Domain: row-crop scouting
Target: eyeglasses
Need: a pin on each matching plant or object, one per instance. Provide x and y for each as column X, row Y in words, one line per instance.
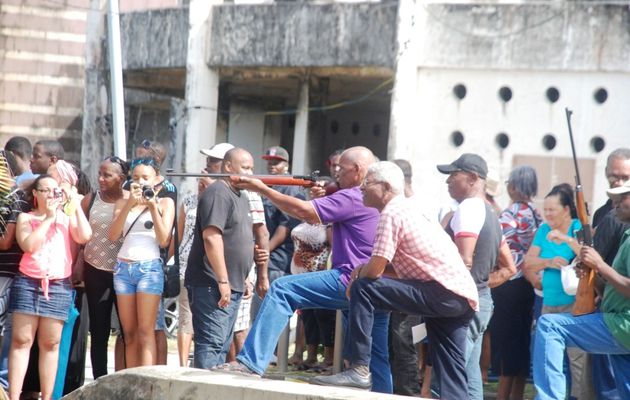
column 212, row 160
column 366, row 183
column 617, row 178
column 47, row 190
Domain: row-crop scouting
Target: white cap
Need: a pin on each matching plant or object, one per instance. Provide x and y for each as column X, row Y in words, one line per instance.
column 615, row 193
column 217, row 151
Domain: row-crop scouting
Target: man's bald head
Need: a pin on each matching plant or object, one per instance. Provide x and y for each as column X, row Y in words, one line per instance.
column 353, row 166
column 237, row 161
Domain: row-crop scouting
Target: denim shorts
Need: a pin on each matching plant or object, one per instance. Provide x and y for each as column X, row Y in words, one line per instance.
column 27, row 297
column 139, row 277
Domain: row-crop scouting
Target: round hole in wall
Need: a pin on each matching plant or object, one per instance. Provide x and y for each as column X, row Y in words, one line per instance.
column 502, row 140
column 549, row 141
column 552, row 94
column 459, row 91
column 600, row 95
column 505, row 93
column 334, row 126
column 457, row 138
column 598, row 143
column 376, row 130
column 355, row 128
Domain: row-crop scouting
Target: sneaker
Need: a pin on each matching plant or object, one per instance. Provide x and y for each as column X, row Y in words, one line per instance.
column 349, row 378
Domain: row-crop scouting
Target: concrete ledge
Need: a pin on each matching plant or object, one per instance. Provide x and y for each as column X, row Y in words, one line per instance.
column 170, row 382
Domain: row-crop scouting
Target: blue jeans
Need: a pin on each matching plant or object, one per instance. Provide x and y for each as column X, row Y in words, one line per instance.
column 213, row 325
column 474, row 339
column 321, row 289
column 556, row 332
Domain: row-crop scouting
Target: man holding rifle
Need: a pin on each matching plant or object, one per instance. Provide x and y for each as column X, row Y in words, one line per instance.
column 354, row 229
column 605, row 332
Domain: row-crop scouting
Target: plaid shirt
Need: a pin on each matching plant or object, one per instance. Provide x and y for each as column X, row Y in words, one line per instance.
column 420, row 249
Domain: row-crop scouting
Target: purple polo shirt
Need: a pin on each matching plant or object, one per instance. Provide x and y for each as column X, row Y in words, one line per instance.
column 353, row 225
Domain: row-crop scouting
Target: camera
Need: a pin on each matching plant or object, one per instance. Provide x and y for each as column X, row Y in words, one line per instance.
column 148, row 192
column 57, row 193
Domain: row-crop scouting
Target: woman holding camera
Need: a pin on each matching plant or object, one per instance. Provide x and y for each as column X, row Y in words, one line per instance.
column 144, row 221
column 41, row 294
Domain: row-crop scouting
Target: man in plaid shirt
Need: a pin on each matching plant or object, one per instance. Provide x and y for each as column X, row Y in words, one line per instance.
column 425, row 275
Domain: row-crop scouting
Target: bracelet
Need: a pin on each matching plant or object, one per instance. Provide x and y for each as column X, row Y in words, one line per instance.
column 223, row 282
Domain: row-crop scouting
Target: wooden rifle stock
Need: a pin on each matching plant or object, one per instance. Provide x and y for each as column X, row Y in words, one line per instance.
column 270, row 180
column 585, row 296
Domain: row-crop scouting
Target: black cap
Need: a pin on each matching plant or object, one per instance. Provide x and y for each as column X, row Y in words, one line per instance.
column 466, row 162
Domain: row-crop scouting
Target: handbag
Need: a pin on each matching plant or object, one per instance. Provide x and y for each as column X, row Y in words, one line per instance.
column 569, row 280
column 171, row 271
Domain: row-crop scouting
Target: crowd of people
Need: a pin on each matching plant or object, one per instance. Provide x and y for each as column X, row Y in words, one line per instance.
column 251, row 255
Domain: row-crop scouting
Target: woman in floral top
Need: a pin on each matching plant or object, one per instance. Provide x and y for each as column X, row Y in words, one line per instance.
column 513, row 301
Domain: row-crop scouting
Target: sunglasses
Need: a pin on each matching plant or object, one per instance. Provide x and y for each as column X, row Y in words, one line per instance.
column 146, row 144
column 124, row 166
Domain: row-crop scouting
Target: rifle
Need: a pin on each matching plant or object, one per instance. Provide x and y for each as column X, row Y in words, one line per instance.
column 306, row 181
column 585, row 296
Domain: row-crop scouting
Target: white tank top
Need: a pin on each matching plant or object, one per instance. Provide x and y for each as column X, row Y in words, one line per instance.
column 140, row 244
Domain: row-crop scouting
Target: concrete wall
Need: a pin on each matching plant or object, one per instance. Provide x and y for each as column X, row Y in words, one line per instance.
column 303, row 34
column 162, row 382
column 154, row 39
column 577, row 49
column 42, row 61
column 558, row 36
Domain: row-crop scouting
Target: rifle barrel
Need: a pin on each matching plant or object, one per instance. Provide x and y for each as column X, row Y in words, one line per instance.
column 578, row 182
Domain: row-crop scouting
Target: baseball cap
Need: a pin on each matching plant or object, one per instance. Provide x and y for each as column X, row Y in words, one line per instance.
column 217, row 151
column 466, row 162
column 276, row 153
column 616, row 193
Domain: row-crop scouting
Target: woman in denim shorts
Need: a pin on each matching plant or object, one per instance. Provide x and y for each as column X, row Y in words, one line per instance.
column 41, row 294
column 145, row 222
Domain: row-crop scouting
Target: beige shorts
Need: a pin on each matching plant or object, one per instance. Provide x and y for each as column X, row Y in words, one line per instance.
column 185, row 315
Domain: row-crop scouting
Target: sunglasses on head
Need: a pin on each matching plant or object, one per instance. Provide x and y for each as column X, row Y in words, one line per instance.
column 122, row 163
column 146, row 144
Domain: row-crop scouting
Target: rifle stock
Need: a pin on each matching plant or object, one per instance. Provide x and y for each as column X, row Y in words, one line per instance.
column 585, row 296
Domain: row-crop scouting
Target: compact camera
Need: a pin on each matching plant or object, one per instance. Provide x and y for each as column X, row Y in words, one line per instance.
column 148, row 192
column 57, row 193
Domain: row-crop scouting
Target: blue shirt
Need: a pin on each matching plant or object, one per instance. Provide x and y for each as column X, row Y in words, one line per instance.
column 553, row 293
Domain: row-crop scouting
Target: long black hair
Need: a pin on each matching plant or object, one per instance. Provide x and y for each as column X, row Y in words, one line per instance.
column 564, row 191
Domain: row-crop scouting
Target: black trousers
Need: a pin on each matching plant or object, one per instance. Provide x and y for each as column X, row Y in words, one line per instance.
column 403, row 355
column 99, row 288
column 446, row 315
column 319, row 326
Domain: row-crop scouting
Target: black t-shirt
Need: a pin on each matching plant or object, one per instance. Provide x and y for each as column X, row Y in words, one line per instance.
column 10, row 258
column 280, row 257
column 221, row 207
column 601, row 212
column 608, row 234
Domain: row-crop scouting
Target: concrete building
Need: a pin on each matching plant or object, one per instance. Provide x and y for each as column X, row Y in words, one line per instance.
column 425, row 81
column 42, row 63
